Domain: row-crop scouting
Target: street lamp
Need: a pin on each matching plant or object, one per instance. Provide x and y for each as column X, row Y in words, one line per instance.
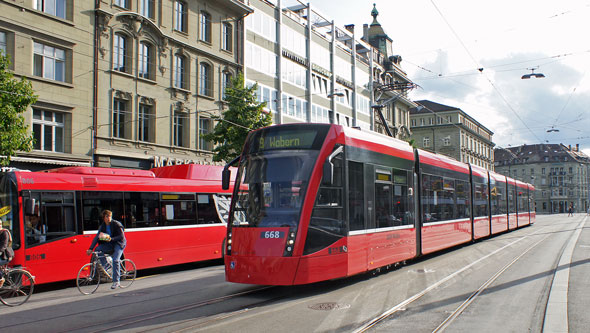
column 533, row 74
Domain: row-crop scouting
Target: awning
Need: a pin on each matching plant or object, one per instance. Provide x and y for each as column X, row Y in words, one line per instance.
column 48, row 161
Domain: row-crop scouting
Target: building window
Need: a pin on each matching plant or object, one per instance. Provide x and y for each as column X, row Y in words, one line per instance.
column 122, row 3
column 205, row 125
column 205, row 33
column 52, row 7
column 225, row 83
column 179, row 128
column 146, row 8
column 179, row 72
column 119, row 118
column 205, row 78
column 3, row 42
column 146, row 66
column 48, row 130
column 426, row 142
column 180, row 17
column 145, row 119
column 50, row 62
column 227, row 37
column 447, row 141
column 120, row 53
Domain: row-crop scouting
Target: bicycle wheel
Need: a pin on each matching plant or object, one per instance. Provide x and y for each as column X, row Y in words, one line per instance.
column 17, row 288
column 88, row 279
column 128, row 273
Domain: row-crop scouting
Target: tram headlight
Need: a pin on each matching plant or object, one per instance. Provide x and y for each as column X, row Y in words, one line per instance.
column 229, row 247
column 291, row 242
column 229, row 241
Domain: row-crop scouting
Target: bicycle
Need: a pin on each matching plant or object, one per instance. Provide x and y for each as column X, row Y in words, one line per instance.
column 93, row 273
column 18, row 286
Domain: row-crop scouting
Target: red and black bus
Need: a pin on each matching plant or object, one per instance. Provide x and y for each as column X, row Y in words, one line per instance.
column 172, row 215
column 316, row 202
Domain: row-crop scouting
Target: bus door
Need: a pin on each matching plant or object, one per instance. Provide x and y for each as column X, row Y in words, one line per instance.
column 51, row 235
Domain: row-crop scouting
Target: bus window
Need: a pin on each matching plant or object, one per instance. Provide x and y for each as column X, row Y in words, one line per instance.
column 53, row 217
column 178, row 209
column 206, row 209
column 9, row 212
column 94, row 202
column 141, row 210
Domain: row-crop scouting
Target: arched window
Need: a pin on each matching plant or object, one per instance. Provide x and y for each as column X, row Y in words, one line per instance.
column 120, row 53
column 180, row 72
column 205, row 32
column 205, row 80
column 146, row 66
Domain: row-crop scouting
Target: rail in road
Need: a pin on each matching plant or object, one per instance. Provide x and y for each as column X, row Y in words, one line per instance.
column 517, row 281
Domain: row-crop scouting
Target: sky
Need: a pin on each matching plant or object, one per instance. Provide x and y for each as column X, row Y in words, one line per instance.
column 443, row 43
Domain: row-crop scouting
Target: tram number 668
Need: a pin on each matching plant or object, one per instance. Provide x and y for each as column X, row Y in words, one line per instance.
column 272, row 234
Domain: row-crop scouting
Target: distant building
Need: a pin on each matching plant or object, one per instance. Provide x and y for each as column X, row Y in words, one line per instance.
column 449, row 131
column 308, row 69
column 559, row 173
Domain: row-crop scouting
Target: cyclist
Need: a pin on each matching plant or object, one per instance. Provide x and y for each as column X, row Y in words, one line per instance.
column 6, row 252
column 111, row 239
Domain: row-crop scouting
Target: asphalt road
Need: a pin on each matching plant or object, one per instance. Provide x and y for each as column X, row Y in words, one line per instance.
column 534, row 279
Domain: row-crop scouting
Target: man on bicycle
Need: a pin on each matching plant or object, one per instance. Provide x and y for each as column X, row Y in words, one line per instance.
column 111, row 239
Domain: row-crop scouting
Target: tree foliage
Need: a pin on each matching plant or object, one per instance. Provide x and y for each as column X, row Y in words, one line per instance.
column 15, row 98
column 244, row 114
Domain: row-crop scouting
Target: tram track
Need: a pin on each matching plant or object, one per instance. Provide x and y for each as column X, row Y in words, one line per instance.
column 119, row 323
column 373, row 323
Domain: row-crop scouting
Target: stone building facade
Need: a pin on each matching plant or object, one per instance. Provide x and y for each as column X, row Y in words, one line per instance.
column 122, row 83
column 452, row 132
column 559, row 173
column 51, row 46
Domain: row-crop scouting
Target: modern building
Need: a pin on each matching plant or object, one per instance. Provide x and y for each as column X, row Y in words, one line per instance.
column 560, row 174
column 126, row 83
column 450, row 131
column 308, row 69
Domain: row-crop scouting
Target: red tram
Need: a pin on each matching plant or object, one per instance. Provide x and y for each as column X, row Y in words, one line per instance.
column 172, row 215
column 315, row 202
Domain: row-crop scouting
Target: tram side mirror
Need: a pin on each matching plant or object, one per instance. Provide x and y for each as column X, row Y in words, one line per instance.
column 30, row 206
column 225, row 179
column 328, row 177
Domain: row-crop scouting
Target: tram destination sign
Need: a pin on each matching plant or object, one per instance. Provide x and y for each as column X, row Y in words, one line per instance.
column 274, row 140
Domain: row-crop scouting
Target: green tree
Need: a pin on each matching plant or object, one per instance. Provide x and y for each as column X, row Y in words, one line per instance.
column 15, row 98
column 244, row 114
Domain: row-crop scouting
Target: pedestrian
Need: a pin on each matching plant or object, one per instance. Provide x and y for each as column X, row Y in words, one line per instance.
column 570, row 210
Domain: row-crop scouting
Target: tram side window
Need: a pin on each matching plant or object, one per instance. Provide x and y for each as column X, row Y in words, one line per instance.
column 463, row 199
column 522, row 201
column 501, row 197
column 356, row 196
column 431, row 188
column 481, row 199
column 383, row 198
column 53, row 217
column 511, row 199
column 178, row 209
column 206, row 209
column 403, row 202
column 142, row 209
column 92, row 203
